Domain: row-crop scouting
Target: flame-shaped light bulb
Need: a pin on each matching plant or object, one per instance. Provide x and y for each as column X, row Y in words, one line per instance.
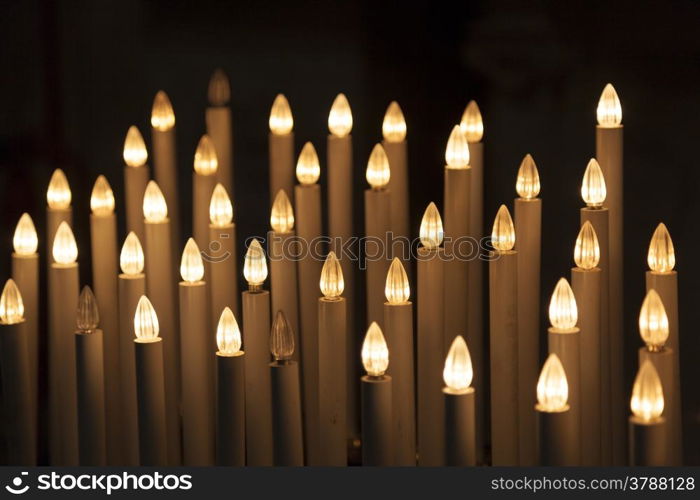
column 331, row 282
column 162, row 114
column 593, row 190
column 472, row 123
column 552, row 386
column 11, row 304
column 191, row 264
column 394, row 124
column 609, row 112
column 205, row 160
column 661, row 257
column 647, row 402
column 58, row 195
column 457, row 150
column 281, row 338
column 431, row 232
column 375, row 353
column 88, row 316
column 131, row 258
column 154, row 207
column 228, row 334
column 102, row 197
column 340, row 117
column 220, row 207
column 653, row 321
column 378, row 172
column 25, row 241
column 219, row 92
column 397, row 289
column 563, row 313
column 282, row 213
column 587, row 249
column 458, row 371
column 255, row 265
column 146, row 324
column 65, row 249
column 135, row 154
column 503, row 232
column 308, row 168
column 281, row 121
column 528, row 183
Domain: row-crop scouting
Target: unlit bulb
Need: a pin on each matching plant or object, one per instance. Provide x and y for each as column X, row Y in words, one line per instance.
column 375, row 353
column 25, row 240
column 661, row 257
column 396, row 289
column 528, row 183
column 563, row 313
column 458, row 371
column 281, row 338
column 331, row 282
column 340, row 117
column 219, row 92
column 88, row 316
column 228, row 334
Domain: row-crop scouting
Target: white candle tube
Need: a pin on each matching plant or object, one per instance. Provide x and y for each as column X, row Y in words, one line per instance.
column 377, row 431
column 92, row 435
column 218, row 120
column 230, row 409
column 286, row 414
column 377, row 260
column 283, row 280
column 150, row 374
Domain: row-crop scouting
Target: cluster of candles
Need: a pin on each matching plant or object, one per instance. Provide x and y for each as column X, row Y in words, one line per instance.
column 147, row 378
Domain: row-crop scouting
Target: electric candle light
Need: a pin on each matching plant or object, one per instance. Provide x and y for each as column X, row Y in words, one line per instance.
column 308, row 169
column 458, row 395
column 457, row 150
column 394, row 124
column 609, row 111
column 378, row 172
column 281, row 146
column 218, row 119
column 587, row 249
column 58, row 198
column 647, row 427
column 221, row 254
column 653, row 322
column 552, row 387
column 528, row 181
column 340, row 117
column 136, row 176
column 282, row 214
column 203, row 182
column 255, row 266
column 593, row 188
column 472, row 123
column 25, row 241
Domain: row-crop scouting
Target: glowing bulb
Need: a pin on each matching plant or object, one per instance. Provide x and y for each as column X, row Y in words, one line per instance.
column 458, row 372
column 65, row 250
column 219, row 88
column 281, row 338
column 332, row 283
column 220, row 207
column 653, row 321
column 396, row 289
column 281, row 121
column 102, row 198
column 552, row 386
column 528, row 183
column 135, row 154
column 25, row 240
column 375, row 353
column 471, row 123
column 282, row 214
column 228, row 335
column 609, row 112
column 587, row 250
column 154, row 207
column 661, row 257
column 191, row 264
column 593, row 190
column 378, row 172
column 647, row 402
column 431, row 232
column 131, row 257
column 88, row 314
column 503, row 232
column 146, row 321
column 11, row 305
column 162, row 114
column 205, row 160
column 255, row 265
column 563, row 313
column 340, row 117
column 394, row 124
column 308, row 168
column 58, row 196
column 457, row 150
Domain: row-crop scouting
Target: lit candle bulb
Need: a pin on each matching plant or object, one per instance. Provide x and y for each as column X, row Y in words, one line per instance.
column 220, row 207
column 587, row 250
column 58, row 195
column 431, row 232
column 661, row 257
column 228, row 334
column 25, row 240
column 593, row 190
column 457, row 150
column 102, row 198
column 191, row 264
column 340, row 117
column 131, row 258
column 281, row 121
column 135, row 154
column 308, row 169
column 563, row 313
column 162, row 114
column 375, row 353
column 653, row 322
column 205, row 160
column 396, row 289
column 378, row 172
column 282, row 214
column 281, row 338
column 154, row 207
column 472, row 123
column 331, row 282
column 458, row 372
column 394, row 124
column 647, row 402
column 503, row 232
column 609, row 111
column 88, row 313
column 65, row 249
column 255, row 266
column 552, row 386
column 11, row 305
column 528, row 182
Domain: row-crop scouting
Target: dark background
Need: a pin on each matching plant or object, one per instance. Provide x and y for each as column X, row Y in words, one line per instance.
column 76, row 74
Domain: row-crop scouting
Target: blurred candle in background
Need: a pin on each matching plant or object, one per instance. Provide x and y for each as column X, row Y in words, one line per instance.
column 58, row 198
column 203, row 182
column 394, row 143
column 458, row 396
column 136, row 177
column 281, row 147
column 218, row 118
column 220, row 255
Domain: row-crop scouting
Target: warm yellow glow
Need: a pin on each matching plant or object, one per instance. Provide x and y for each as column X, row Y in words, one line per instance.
column 228, row 335
column 653, row 321
column 394, row 124
column 552, row 386
column 587, row 250
column 593, row 190
column 25, row 240
column 191, row 264
column 661, row 257
column 375, row 353
column 431, row 232
column 471, row 123
column 220, row 207
column 65, row 250
column 11, row 305
column 154, row 207
column 131, row 257
column 281, row 121
column 528, row 182
column 340, row 117
column 281, row 338
column 88, row 314
column 647, row 401
column 162, row 114
column 135, row 154
column 102, row 198
column 205, row 160
column 332, row 283
column 58, row 196
column 219, row 92
column 282, row 213
column 378, row 172
column 396, row 289
column 563, row 313
column 609, row 112
column 457, row 150
column 503, row 232
column 146, row 321
column 308, row 168
column 458, row 371
column 255, row 265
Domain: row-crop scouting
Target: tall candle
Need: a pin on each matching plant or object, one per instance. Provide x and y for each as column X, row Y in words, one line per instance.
column 394, row 143
column 281, row 146
column 150, row 383
column 256, row 330
column 430, row 344
column 90, row 368
column 458, row 395
column 398, row 324
column 58, row 198
column 136, row 176
column 609, row 154
column 647, row 427
column 20, row 427
column 203, row 182
column 503, row 310
column 218, row 118
column 377, row 228
column 528, row 229
column 197, row 364
column 230, row 395
column 332, row 386
column 221, row 254
column 160, row 286
column 307, row 206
